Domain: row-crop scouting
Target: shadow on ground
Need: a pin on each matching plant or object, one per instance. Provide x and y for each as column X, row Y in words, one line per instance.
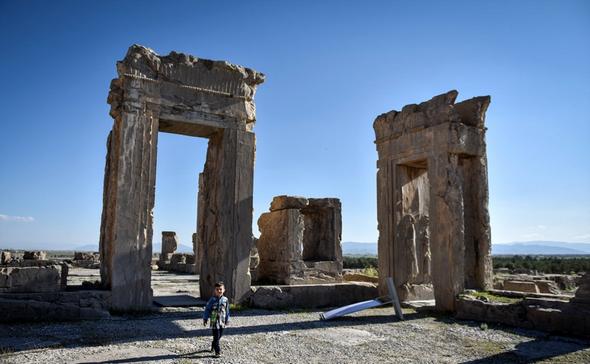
column 161, row 326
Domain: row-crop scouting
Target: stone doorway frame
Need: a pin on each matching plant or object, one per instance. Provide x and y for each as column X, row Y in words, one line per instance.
column 178, row 94
column 446, row 140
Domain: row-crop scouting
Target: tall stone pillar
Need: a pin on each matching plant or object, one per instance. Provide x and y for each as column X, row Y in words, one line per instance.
column 446, row 230
column 386, row 192
column 126, row 230
column 226, row 233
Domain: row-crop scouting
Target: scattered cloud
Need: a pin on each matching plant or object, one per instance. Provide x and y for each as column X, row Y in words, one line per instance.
column 16, row 218
column 582, row 237
column 533, row 236
column 541, row 227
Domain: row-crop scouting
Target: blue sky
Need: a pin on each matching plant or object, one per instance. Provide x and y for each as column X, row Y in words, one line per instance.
column 331, row 67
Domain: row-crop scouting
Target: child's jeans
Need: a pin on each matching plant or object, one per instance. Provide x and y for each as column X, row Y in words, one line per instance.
column 217, row 333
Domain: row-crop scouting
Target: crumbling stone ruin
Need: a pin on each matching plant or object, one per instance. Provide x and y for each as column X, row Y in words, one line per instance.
column 583, row 294
column 34, row 288
column 179, row 94
column 300, row 241
column 432, row 198
column 172, row 261
column 86, row 260
column 34, row 255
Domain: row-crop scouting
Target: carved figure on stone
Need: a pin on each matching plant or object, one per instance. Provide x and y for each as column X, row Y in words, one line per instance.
column 423, row 241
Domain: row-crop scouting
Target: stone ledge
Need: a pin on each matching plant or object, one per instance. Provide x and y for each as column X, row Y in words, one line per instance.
column 310, row 296
column 554, row 316
column 58, row 306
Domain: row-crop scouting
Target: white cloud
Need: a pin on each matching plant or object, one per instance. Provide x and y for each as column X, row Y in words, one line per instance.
column 16, row 218
column 533, row 236
column 541, row 227
column 582, row 237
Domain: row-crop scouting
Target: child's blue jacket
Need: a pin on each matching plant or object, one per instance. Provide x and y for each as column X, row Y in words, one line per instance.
column 217, row 309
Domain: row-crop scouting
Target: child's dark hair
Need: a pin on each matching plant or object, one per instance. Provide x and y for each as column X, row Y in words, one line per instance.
column 219, row 284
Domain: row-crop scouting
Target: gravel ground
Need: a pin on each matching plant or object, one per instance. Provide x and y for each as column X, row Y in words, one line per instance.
column 176, row 335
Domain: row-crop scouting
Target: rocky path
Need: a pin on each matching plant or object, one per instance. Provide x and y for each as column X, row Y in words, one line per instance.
column 176, row 335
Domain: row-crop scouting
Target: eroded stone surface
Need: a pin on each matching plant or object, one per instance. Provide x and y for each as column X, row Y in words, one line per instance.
column 34, row 255
column 583, row 291
column 300, row 241
column 5, row 257
column 287, row 202
column 43, row 278
column 432, row 198
column 169, row 242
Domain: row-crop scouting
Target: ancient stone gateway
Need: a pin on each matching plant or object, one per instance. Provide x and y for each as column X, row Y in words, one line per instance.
column 432, row 198
column 179, row 94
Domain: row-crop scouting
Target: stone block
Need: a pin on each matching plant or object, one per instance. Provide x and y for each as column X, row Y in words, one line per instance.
column 85, row 256
column 547, row 286
column 178, row 259
column 358, row 277
column 30, row 279
column 287, row 202
column 583, row 291
column 34, row 255
column 311, row 296
column 521, row 286
column 509, row 314
column 5, row 257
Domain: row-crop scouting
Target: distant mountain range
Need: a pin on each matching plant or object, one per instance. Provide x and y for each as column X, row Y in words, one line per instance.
column 513, row 248
column 357, row 248
column 352, row 248
column 541, row 248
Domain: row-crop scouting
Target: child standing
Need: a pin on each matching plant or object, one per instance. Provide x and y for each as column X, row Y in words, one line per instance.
column 217, row 309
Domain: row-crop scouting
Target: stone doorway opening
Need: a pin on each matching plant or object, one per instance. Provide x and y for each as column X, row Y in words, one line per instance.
column 180, row 160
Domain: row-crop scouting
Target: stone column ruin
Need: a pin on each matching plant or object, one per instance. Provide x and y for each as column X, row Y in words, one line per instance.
column 300, row 241
column 179, row 94
column 432, row 199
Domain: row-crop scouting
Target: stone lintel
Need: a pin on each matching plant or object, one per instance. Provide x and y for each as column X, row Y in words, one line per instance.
column 457, row 139
column 187, row 83
column 440, row 109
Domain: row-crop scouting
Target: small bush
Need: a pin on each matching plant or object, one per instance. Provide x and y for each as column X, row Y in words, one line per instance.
column 354, row 262
column 371, row 272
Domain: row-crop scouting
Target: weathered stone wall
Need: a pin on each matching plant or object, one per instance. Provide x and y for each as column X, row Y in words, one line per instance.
column 42, row 278
column 432, row 198
column 300, row 241
column 280, row 246
column 545, row 314
column 311, row 296
column 583, row 291
column 178, row 94
column 58, row 306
